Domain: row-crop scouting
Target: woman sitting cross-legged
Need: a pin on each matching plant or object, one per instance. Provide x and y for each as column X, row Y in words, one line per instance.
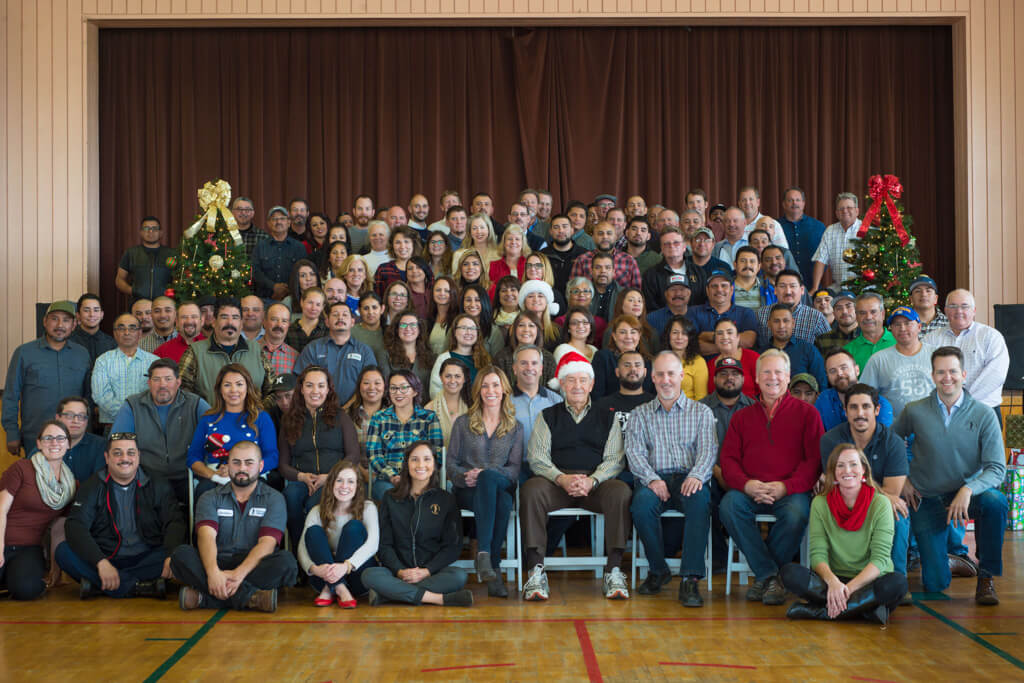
column 340, row 538
column 850, row 532
column 484, row 457
column 420, row 538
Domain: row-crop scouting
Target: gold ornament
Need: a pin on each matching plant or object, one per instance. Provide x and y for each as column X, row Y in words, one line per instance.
column 216, row 262
column 235, row 274
column 873, row 249
column 848, row 256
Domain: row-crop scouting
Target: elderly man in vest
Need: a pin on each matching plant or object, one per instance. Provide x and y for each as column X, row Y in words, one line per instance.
column 163, row 418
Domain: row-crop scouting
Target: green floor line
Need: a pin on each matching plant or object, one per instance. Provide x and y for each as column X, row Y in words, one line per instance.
column 980, row 641
column 185, row 647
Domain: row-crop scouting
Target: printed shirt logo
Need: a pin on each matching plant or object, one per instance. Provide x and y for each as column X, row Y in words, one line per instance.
column 435, row 509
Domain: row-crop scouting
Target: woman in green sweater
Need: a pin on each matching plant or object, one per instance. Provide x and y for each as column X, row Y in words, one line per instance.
column 850, row 533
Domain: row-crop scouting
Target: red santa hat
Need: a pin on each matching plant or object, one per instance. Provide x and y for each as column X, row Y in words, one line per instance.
column 568, row 361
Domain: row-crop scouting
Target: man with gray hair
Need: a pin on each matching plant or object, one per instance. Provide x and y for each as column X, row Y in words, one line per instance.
column 244, row 211
column 836, row 239
column 873, row 337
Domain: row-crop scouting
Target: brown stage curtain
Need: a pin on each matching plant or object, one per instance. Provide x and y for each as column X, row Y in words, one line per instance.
column 329, row 113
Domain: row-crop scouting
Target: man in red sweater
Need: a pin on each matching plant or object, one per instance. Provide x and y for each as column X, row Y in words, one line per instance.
column 770, row 460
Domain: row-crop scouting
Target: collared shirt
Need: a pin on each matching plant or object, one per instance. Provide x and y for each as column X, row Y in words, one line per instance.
column 538, row 450
column 252, row 237
column 862, row 350
column 986, row 359
column 726, row 250
column 96, row 344
column 117, row 376
column 705, row 317
column 679, row 440
column 175, row 348
column 38, row 377
column 808, row 324
column 834, row 339
column 724, row 413
column 627, row 272
column 387, row 437
column 778, row 239
column 748, row 298
column 239, row 527
column 272, row 263
column 833, row 412
column 948, row 413
column 153, row 340
column 834, row 241
column 886, row 450
column 804, row 236
column 936, row 323
column 282, row 357
column 528, row 409
column 344, row 362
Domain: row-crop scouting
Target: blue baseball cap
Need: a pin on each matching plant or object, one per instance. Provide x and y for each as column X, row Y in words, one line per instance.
column 904, row 311
column 718, row 272
column 925, row 281
column 844, row 294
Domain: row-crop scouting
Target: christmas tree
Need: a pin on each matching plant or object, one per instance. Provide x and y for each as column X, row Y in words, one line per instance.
column 211, row 259
column 885, row 259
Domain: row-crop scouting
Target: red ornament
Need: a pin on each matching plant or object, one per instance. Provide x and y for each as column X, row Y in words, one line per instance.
column 892, row 284
column 169, row 292
column 868, row 274
column 917, row 264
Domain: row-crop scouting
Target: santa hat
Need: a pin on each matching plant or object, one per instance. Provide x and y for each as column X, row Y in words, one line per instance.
column 568, row 361
column 535, row 286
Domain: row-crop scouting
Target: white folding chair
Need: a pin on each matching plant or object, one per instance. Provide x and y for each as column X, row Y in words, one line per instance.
column 739, row 564
column 641, row 564
column 596, row 561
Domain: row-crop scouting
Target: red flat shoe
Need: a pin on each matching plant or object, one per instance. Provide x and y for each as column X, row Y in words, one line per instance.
column 346, row 604
column 322, row 602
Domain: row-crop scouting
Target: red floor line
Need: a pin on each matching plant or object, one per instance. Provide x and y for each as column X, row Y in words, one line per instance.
column 589, row 658
column 467, row 666
column 872, row 680
column 717, row 666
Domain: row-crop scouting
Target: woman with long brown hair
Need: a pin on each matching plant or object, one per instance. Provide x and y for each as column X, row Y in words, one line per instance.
column 680, row 337
column 627, row 335
column 525, row 329
column 443, row 308
column 340, row 538
column 310, row 324
column 370, row 396
column 237, row 415
column 405, row 346
column 484, row 457
column 437, row 252
column 454, row 398
column 315, row 434
column 466, row 344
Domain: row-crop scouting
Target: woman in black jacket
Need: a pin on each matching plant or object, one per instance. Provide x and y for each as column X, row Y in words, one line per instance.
column 420, row 538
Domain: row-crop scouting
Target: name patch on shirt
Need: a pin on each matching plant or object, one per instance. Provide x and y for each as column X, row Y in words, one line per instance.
column 257, row 512
column 354, row 356
column 225, row 512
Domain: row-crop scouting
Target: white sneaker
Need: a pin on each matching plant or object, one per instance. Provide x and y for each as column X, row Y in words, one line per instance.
column 536, row 587
column 615, row 585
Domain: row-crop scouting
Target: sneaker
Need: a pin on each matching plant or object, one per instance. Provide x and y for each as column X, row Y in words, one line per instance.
column 462, row 598
column 756, row 591
column 375, row 598
column 615, row 585
column 496, row 588
column 189, row 598
column 689, row 592
column 774, row 592
column 653, row 583
column 484, row 570
column 536, row 587
column 263, row 601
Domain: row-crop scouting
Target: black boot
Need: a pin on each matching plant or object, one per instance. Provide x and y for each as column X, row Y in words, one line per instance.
column 807, row 610
column 817, row 589
column 862, row 604
column 156, row 588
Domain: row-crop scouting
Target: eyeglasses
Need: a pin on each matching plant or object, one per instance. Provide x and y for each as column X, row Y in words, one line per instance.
column 242, row 209
column 534, row 266
column 579, row 292
column 579, row 323
column 128, row 328
column 59, row 438
column 408, row 326
column 75, row 417
column 398, row 295
column 122, row 436
column 400, row 389
column 958, row 307
column 465, row 328
column 150, row 228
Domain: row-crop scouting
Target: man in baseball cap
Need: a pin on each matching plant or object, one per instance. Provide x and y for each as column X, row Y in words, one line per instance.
column 924, row 297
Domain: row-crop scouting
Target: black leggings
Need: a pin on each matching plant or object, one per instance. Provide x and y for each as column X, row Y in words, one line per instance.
column 24, row 571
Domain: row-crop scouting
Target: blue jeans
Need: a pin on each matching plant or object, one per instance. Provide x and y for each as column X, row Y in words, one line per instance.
column 646, row 510
column 738, row 510
column 491, row 502
column 144, row 567
column 900, row 545
column 988, row 509
column 379, row 488
column 353, row 536
column 298, row 502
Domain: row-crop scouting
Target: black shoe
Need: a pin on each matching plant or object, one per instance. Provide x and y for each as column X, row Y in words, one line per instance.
column 462, row 598
column 689, row 592
column 862, row 604
column 375, row 598
column 807, row 610
column 484, row 570
column 87, row 591
column 774, row 592
column 756, row 591
column 497, row 588
column 653, row 583
column 150, row 589
column 913, row 563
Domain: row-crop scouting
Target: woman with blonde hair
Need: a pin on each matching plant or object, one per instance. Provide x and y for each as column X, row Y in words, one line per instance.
column 538, row 267
column 485, row 454
column 356, row 275
column 481, row 238
column 512, row 254
column 537, row 297
column 470, row 270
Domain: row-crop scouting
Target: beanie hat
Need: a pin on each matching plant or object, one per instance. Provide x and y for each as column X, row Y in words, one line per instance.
column 567, row 362
column 535, row 286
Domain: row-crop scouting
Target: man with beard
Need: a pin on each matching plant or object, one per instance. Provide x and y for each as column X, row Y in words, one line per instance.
column 163, row 418
column 844, row 329
column 239, row 527
column 362, row 214
column 677, row 302
column 203, row 359
column 562, row 250
column 626, row 272
column 272, row 259
column 343, row 356
column 638, row 234
column 673, row 262
column 282, row 357
column 419, row 210
column 88, row 333
column 163, row 325
column 298, row 216
column 335, row 290
column 189, row 320
column 40, row 374
column 631, row 369
column 577, row 213
column 142, row 309
column 606, row 289
column 252, row 318
column 773, row 262
column 671, row 448
column 842, row 371
column 143, row 271
column 122, row 528
column 886, row 452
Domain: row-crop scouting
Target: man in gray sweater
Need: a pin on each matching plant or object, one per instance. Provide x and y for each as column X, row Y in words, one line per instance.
column 957, row 466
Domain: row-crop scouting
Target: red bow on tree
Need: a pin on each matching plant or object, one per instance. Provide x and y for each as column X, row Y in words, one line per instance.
column 883, row 188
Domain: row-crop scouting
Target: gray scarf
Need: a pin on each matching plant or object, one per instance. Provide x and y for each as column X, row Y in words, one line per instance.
column 56, row 494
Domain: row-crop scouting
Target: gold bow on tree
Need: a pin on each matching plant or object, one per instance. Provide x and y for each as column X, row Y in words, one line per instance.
column 214, row 199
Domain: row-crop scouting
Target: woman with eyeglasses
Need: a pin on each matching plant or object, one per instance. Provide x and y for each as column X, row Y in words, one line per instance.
column 577, row 326
column 315, row 435
column 34, row 493
column 420, row 538
column 437, row 252
column 485, row 457
column 680, row 337
column 627, row 335
column 237, row 415
column 538, row 267
column 580, row 294
column 464, row 344
column 405, row 421
column 405, row 346
column 454, row 398
column 371, row 395
column 526, row 329
column 473, row 301
column 443, row 308
column 396, row 300
column 310, row 324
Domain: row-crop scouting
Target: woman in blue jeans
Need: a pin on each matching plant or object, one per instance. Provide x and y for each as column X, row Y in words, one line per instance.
column 485, row 453
column 420, row 538
column 315, row 435
column 340, row 538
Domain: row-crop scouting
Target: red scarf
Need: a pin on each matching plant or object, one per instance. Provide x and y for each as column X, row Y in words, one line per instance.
column 851, row 519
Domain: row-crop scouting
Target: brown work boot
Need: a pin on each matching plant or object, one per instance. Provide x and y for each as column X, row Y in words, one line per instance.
column 986, row 591
column 961, row 567
column 263, row 601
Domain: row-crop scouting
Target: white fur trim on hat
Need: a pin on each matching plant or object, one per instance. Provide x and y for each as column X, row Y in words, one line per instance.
column 569, row 361
column 532, row 286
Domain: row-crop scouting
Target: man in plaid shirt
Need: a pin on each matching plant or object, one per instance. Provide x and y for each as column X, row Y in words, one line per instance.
column 275, row 325
column 924, row 297
column 810, row 323
column 627, row 272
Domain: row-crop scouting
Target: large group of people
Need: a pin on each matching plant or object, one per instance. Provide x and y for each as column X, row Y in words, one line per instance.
column 386, row 373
